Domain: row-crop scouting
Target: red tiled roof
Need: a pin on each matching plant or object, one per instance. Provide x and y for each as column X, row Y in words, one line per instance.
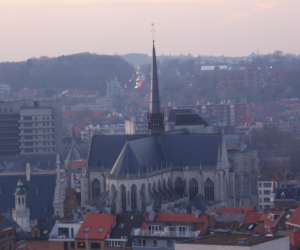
column 177, row 217
column 268, row 222
column 250, row 67
column 295, row 217
column 252, row 217
column 233, row 210
column 94, row 222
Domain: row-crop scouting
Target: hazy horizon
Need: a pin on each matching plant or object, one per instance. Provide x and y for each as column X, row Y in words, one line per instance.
column 206, row 27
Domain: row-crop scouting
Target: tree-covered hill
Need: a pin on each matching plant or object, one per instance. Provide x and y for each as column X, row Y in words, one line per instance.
column 78, row 71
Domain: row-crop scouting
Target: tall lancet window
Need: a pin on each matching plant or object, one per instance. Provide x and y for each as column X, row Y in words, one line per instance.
column 193, row 184
column 95, row 189
column 179, row 188
column 123, row 197
column 209, row 190
column 133, row 197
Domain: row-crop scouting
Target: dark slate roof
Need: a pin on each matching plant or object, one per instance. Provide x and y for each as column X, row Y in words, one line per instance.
column 12, row 223
column 199, row 202
column 124, row 225
column 292, row 194
column 73, row 154
column 191, row 150
column 182, row 150
column 189, row 119
column 18, row 163
column 105, row 150
column 138, row 154
column 36, row 202
column 45, row 226
column 173, row 112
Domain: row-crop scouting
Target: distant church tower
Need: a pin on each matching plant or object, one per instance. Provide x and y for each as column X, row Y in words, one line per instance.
column 58, row 195
column 155, row 116
column 21, row 213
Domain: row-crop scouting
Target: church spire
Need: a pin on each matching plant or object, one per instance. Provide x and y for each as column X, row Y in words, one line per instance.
column 155, row 116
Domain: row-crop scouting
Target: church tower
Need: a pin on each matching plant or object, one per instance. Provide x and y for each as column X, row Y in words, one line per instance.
column 155, row 116
column 21, row 213
column 58, row 195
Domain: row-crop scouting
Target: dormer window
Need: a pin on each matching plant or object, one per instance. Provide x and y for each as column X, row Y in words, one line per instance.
column 86, row 229
column 282, row 195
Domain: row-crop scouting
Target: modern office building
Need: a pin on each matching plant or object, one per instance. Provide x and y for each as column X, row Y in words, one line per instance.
column 30, row 127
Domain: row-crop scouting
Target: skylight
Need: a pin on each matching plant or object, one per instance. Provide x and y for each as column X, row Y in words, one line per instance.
column 100, row 230
column 86, row 229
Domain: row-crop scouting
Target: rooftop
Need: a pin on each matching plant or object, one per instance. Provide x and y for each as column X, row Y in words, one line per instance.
column 230, row 239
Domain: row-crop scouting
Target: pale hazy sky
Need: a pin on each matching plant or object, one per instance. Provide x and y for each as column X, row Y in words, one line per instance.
column 34, row 28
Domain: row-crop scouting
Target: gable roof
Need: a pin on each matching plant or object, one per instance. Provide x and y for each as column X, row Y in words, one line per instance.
column 271, row 223
column 124, row 225
column 73, row 154
column 36, row 202
column 105, row 150
column 176, row 149
column 295, row 218
column 170, row 217
column 174, row 112
column 253, row 217
column 189, row 119
column 95, row 221
column 137, row 155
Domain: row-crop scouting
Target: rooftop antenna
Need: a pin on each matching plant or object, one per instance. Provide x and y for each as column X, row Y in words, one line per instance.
column 153, row 30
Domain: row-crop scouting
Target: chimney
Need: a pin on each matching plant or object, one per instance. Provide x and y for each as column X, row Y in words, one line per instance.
column 28, row 172
column 152, row 216
column 197, row 214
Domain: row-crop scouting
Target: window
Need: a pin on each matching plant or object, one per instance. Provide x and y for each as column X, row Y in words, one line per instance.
column 72, row 232
column 123, row 196
column 266, row 199
column 179, row 188
column 81, row 245
column 267, row 184
column 209, row 190
column 95, row 246
column 133, row 197
column 95, row 189
column 66, row 247
column 72, row 245
column 193, row 188
column 100, row 230
column 86, row 229
column 259, row 184
column 182, row 231
column 155, row 243
column 267, row 192
column 10, row 247
column 36, row 234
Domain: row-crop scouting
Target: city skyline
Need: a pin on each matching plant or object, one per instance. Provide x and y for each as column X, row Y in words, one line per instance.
column 229, row 28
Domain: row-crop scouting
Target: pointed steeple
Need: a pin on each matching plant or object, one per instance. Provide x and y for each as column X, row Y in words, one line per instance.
column 155, row 116
column 154, row 89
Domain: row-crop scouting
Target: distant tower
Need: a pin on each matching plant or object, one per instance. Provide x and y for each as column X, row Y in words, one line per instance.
column 58, row 195
column 250, row 76
column 73, row 137
column 21, row 213
column 155, row 116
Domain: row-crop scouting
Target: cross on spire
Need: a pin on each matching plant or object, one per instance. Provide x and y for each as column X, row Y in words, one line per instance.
column 153, row 30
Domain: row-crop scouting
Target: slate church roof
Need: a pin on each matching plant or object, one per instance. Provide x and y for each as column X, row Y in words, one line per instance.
column 181, row 150
column 44, row 184
column 73, row 154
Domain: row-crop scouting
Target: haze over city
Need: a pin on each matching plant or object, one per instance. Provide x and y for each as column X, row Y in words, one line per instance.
column 33, row 28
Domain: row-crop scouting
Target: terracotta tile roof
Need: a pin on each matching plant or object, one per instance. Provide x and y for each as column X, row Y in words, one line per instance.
column 95, row 221
column 232, row 210
column 252, row 217
column 177, row 217
column 271, row 223
column 295, row 217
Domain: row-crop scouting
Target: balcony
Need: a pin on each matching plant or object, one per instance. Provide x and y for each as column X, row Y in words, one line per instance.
column 61, row 237
column 177, row 234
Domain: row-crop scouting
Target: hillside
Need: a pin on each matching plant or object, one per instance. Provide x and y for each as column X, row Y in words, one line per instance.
column 80, row 71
